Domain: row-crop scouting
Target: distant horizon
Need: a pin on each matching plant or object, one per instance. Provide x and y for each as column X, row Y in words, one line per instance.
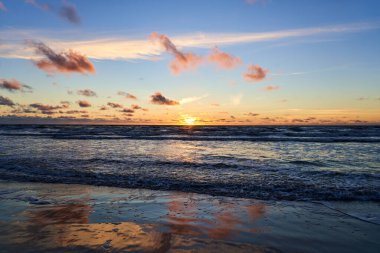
column 241, row 62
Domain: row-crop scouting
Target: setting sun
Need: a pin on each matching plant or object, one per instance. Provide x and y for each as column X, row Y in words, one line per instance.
column 190, row 121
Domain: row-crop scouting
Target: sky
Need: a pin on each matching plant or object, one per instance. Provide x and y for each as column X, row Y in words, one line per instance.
column 231, row 62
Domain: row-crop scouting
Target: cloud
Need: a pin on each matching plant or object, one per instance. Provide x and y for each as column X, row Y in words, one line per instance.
column 14, row 85
column 223, row 60
column 129, row 111
column 182, row 61
column 64, row 62
column 84, row 103
column 46, row 109
column 69, row 12
column 255, row 73
column 117, row 47
column 236, row 99
column 2, row 6
column 192, row 99
column 158, row 99
column 35, row 3
column 87, row 93
column 6, row 101
column 252, row 114
column 252, row 2
column 126, row 95
column 114, row 105
column 271, row 88
column 73, row 112
column 65, row 104
column 137, row 107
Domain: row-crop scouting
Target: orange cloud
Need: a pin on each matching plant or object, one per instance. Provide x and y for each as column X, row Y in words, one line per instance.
column 224, row 60
column 182, row 61
column 64, row 62
column 84, row 103
column 271, row 88
column 158, row 99
column 14, row 85
column 255, row 73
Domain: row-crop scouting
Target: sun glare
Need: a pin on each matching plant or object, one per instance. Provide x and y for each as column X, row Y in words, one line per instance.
column 190, row 121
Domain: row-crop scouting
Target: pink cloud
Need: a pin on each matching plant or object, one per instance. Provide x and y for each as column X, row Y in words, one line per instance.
column 2, row 7
column 35, row 3
column 224, row 60
column 271, row 88
column 64, row 62
column 182, row 61
column 255, row 73
column 14, row 85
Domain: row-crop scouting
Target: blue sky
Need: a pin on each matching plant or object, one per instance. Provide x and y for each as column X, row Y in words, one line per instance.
column 321, row 60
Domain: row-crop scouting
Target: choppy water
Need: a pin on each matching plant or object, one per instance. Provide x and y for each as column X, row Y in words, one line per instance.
column 289, row 162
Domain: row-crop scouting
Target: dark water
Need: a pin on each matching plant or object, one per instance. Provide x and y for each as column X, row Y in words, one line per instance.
column 289, row 162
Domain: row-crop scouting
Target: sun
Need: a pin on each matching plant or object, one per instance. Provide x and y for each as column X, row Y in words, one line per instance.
column 189, row 120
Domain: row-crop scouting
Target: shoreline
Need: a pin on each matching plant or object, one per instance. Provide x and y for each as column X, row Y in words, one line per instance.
column 47, row 217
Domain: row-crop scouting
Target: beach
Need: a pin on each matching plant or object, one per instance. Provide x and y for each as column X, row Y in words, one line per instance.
column 189, row 189
column 40, row 217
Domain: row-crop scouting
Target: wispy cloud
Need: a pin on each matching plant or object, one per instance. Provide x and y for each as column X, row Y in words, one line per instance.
column 36, row 4
column 236, row 99
column 182, row 61
column 271, row 88
column 64, row 62
column 66, row 11
column 69, row 12
column 123, row 48
column 253, row 2
column 158, row 99
column 14, row 85
column 192, row 99
column 126, row 95
column 2, row 7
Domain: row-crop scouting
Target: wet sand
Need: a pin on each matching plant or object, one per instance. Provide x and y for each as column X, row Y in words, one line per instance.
column 36, row 217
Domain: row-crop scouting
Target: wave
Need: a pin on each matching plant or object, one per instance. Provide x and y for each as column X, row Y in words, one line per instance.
column 322, row 134
column 214, row 179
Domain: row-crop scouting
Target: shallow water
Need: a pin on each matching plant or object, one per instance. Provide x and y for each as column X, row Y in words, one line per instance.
column 37, row 217
column 278, row 163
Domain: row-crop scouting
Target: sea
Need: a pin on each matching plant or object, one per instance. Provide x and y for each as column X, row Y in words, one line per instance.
column 305, row 163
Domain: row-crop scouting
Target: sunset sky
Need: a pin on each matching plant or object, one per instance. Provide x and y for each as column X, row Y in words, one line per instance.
column 190, row 62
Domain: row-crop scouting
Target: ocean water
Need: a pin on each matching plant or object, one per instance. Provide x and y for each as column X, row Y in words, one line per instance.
column 313, row 163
